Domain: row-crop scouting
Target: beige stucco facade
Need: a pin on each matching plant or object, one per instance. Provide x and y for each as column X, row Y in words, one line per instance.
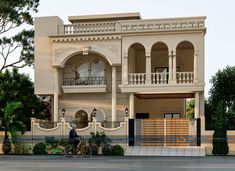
column 141, row 62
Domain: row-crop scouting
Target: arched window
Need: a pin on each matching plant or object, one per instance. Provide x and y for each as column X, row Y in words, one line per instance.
column 82, row 70
column 97, row 68
column 81, row 119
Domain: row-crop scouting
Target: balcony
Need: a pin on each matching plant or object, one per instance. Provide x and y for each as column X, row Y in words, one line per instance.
column 160, row 78
column 160, row 82
column 84, row 85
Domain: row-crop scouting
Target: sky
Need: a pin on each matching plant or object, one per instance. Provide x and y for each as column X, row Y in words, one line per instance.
column 220, row 22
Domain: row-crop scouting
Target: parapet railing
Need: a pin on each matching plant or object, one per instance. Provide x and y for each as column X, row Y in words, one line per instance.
column 191, row 23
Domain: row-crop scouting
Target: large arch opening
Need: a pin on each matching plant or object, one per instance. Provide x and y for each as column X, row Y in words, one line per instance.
column 185, row 62
column 136, row 64
column 91, row 69
column 159, row 63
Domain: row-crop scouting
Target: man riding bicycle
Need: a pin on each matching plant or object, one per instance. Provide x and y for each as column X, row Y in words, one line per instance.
column 74, row 138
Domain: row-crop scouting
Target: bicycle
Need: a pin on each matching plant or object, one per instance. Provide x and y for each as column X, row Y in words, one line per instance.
column 82, row 148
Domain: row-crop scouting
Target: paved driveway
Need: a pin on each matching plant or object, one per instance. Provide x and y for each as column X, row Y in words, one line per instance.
column 100, row 163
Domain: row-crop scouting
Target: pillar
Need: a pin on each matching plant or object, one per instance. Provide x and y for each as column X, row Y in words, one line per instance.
column 197, row 109
column 56, row 94
column 114, row 94
column 195, row 79
column 148, row 68
column 131, row 105
column 174, row 66
column 170, row 66
column 125, row 70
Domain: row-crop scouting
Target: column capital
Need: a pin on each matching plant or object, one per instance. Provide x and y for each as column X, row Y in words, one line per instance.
column 147, row 54
column 170, row 53
column 174, row 53
column 196, row 52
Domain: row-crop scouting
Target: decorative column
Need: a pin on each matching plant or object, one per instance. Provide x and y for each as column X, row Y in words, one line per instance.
column 125, row 70
column 195, row 79
column 114, row 94
column 56, row 94
column 148, row 68
column 170, row 66
column 197, row 106
column 131, row 105
column 174, row 66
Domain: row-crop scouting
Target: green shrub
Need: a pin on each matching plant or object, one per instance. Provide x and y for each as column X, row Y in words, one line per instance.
column 22, row 148
column 63, row 142
column 6, row 147
column 107, row 149
column 94, row 149
column 57, row 150
column 99, row 138
column 51, row 141
column 40, row 148
column 117, row 150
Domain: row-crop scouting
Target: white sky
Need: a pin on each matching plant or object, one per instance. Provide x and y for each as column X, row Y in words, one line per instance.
column 220, row 22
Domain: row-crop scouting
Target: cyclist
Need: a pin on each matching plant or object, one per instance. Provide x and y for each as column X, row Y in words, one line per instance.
column 74, row 138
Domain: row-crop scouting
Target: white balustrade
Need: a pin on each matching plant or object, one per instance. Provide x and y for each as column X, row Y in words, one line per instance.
column 136, row 78
column 184, row 77
column 159, row 78
column 134, row 26
column 100, row 27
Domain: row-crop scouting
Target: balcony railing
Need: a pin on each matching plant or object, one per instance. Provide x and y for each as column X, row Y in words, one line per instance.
column 137, row 78
column 184, row 77
column 191, row 23
column 97, row 27
column 85, row 81
column 159, row 78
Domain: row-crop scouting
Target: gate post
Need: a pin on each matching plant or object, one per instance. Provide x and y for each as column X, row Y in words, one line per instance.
column 131, row 139
column 198, row 131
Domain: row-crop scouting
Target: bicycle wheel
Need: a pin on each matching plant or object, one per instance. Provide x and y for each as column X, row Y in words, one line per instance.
column 86, row 151
column 69, row 151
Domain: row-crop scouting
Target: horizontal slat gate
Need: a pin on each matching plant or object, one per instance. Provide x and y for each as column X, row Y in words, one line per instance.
column 152, row 132
column 177, row 132
column 164, row 132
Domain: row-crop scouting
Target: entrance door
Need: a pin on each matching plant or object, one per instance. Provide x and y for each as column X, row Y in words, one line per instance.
column 142, row 115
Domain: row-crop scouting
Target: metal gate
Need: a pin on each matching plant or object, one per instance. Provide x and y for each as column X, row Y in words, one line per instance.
column 163, row 132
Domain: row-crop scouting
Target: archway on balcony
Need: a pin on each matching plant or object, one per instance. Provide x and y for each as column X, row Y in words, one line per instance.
column 91, row 69
column 185, row 62
column 159, row 63
column 136, row 64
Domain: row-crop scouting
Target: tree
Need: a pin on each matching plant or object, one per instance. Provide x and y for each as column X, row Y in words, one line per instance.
column 190, row 108
column 16, row 50
column 220, row 143
column 223, row 89
column 10, row 124
column 18, row 87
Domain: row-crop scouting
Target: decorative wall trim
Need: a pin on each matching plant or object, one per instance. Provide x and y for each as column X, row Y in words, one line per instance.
column 85, row 38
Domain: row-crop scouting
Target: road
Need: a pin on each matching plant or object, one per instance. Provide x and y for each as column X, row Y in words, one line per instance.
column 112, row 163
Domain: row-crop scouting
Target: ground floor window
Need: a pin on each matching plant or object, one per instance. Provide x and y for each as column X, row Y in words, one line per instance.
column 172, row 115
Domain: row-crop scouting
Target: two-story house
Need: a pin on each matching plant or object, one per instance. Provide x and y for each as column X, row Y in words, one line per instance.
column 114, row 62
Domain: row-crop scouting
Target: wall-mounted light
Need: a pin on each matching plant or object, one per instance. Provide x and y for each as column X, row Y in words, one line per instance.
column 126, row 111
column 94, row 112
column 32, row 111
column 63, row 112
